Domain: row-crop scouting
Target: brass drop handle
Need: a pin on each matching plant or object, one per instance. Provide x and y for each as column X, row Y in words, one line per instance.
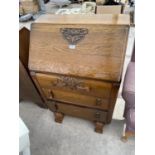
column 56, row 106
column 97, row 115
column 98, row 101
column 50, row 94
column 83, row 88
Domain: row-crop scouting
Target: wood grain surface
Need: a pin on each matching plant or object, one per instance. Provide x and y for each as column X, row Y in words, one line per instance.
column 99, row 55
column 81, row 86
column 110, row 19
column 78, row 99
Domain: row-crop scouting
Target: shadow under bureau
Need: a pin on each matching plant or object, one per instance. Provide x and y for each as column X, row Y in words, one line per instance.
column 76, row 63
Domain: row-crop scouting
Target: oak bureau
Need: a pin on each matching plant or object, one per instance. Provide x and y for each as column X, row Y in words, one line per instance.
column 76, row 63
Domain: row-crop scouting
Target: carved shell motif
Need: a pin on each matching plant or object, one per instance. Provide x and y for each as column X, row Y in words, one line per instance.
column 73, row 35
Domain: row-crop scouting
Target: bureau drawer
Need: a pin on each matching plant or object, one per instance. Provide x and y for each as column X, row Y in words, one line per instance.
column 82, row 112
column 84, row 86
column 74, row 98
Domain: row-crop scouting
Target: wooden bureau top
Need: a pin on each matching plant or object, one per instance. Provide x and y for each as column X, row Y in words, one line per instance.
column 110, row 19
column 89, row 46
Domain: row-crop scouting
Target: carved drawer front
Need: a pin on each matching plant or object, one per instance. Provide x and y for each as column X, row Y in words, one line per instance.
column 77, row 111
column 74, row 98
column 84, row 86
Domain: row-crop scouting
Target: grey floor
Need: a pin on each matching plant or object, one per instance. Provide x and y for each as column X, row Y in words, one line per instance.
column 73, row 137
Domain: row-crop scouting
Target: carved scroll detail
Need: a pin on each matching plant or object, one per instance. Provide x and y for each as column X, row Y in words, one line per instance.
column 74, row 35
column 69, row 82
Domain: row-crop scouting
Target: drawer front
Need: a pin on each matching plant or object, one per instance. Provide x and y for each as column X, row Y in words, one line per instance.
column 82, row 112
column 74, row 98
column 87, row 87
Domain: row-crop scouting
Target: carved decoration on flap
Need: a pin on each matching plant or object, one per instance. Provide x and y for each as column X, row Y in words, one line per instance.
column 73, row 35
